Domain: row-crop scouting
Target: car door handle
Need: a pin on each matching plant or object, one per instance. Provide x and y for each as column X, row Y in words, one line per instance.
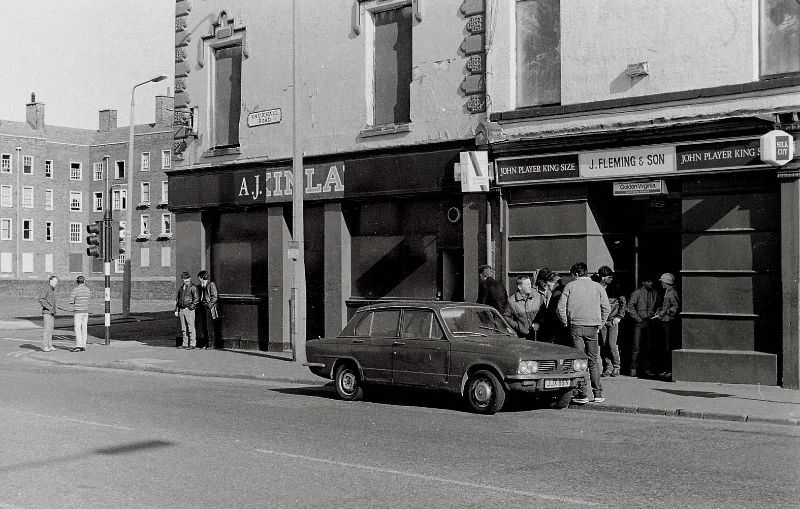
column 358, row 341
column 398, row 343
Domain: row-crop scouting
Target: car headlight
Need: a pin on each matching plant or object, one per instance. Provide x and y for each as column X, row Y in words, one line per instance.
column 527, row 367
column 580, row 364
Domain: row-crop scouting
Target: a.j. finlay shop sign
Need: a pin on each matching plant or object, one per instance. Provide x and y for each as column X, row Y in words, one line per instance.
column 638, row 161
column 321, row 182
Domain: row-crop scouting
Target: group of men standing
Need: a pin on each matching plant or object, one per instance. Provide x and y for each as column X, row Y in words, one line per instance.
column 206, row 319
column 586, row 315
column 79, row 298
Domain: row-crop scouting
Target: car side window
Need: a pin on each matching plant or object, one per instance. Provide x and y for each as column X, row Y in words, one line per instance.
column 364, row 326
column 384, row 323
column 420, row 323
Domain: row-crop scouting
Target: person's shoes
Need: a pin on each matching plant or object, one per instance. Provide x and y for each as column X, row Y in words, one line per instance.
column 78, row 349
column 666, row 374
column 615, row 372
column 580, row 400
column 598, row 399
column 191, row 348
column 605, row 373
column 647, row 373
column 47, row 349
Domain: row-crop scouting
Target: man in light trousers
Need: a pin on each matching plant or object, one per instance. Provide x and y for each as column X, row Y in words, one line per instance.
column 185, row 302
column 47, row 298
column 79, row 298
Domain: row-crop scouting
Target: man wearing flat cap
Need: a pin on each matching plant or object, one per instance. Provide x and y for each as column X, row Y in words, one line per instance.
column 185, row 302
column 666, row 315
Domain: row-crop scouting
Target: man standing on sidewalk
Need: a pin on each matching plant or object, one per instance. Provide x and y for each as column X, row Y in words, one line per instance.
column 47, row 298
column 641, row 306
column 79, row 298
column 208, row 313
column 584, row 308
column 185, row 302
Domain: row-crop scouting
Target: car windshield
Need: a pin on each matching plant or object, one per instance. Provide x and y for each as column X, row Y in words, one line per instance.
column 474, row 321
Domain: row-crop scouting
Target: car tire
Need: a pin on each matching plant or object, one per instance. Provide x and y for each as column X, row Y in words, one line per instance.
column 484, row 393
column 348, row 383
column 564, row 399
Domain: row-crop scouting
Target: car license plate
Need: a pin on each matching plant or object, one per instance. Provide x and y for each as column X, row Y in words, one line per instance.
column 552, row 384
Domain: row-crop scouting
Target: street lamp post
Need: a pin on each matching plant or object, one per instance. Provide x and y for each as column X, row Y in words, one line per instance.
column 298, row 316
column 126, row 276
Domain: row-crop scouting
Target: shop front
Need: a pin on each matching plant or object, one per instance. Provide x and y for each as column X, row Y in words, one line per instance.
column 706, row 211
column 376, row 228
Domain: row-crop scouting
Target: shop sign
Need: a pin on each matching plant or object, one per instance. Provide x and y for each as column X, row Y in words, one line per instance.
column 474, row 171
column 527, row 169
column 777, row 148
column 264, row 117
column 639, row 188
column 274, row 185
column 721, row 154
column 638, row 161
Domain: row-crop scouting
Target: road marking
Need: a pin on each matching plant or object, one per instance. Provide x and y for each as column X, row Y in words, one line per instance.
column 67, row 419
column 17, row 354
column 17, row 339
column 499, row 489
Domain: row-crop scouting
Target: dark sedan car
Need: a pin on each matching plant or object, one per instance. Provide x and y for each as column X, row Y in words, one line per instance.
column 468, row 349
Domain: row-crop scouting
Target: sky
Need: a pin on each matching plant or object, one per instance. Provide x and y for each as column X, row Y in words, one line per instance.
column 83, row 56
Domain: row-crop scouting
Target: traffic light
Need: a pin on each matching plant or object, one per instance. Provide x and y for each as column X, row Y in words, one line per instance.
column 118, row 240
column 95, row 239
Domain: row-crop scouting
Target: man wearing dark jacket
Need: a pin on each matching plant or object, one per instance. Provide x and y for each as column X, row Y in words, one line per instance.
column 490, row 291
column 208, row 313
column 185, row 302
column 47, row 298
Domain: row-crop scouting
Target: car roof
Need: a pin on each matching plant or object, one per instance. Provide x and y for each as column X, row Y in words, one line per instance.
column 433, row 304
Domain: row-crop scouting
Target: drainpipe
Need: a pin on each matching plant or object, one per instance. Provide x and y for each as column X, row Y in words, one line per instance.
column 18, row 212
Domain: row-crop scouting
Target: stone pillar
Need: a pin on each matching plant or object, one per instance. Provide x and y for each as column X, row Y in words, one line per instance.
column 789, row 177
column 279, row 280
column 189, row 243
column 473, row 224
column 336, row 253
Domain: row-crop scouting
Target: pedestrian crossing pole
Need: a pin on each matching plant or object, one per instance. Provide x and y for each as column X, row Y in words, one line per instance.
column 107, row 245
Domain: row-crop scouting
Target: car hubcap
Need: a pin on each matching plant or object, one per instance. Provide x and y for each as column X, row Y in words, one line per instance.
column 348, row 382
column 482, row 392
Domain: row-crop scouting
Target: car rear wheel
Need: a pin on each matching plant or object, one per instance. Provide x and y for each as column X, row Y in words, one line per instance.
column 564, row 399
column 484, row 393
column 348, row 383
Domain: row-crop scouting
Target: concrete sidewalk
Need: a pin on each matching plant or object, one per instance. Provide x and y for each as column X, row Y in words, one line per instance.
column 745, row 403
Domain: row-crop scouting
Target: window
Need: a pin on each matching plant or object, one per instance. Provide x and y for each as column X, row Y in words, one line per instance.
column 780, row 37
column 27, row 165
column 75, row 201
column 27, row 197
column 164, row 191
column 420, row 324
column 97, row 201
column 48, row 231
column 27, row 262
column 538, row 52
column 119, row 199
column 27, row 229
column 227, row 96
column 5, row 163
column 145, row 165
column 144, row 257
column 384, row 323
column 166, row 224
column 392, row 61
column 6, row 262
column 119, row 169
column 144, row 225
column 144, row 196
column 48, row 263
column 48, row 199
column 48, row 168
column 6, row 196
column 166, row 159
column 75, row 171
column 75, row 233
column 75, row 262
column 97, row 171
column 166, row 257
column 5, row 229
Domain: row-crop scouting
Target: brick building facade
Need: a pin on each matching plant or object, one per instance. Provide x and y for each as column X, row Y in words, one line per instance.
column 52, row 186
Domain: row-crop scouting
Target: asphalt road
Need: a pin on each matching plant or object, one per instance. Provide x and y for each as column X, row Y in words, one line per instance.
column 90, row 438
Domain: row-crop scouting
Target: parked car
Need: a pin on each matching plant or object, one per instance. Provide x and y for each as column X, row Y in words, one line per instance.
column 467, row 349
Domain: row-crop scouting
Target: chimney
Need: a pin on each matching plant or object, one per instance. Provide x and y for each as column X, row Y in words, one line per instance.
column 108, row 120
column 165, row 110
column 35, row 113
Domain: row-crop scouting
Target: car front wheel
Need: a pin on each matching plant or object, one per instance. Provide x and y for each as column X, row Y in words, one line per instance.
column 348, row 383
column 484, row 393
